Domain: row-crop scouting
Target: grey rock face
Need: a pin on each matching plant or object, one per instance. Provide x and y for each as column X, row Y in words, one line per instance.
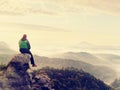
column 16, row 77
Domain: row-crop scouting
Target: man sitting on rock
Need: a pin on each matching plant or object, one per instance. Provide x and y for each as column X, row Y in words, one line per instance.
column 24, row 47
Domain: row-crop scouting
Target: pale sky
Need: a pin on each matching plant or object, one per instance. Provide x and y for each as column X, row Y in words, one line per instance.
column 60, row 25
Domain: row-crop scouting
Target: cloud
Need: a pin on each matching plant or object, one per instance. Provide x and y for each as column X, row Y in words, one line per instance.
column 102, row 6
column 21, row 7
column 12, row 7
column 59, row 6
column 85, row 46
column 31, row 27
column 110, row 7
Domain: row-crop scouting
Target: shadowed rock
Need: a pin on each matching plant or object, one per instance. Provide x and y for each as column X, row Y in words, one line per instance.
column 16, row 77
column 19, row 63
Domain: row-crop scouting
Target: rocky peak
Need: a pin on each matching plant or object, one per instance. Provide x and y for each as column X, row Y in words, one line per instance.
column 19, row 63
column 16, row 77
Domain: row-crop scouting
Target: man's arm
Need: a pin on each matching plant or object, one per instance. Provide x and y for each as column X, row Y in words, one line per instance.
column 29, row 47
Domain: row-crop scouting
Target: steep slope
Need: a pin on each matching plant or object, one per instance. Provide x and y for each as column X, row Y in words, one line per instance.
column 115, row 59
column 73, row 79
column 116, row 84
column 104, row 73
column 100, row 59
column 17, row 77
column 112, row 60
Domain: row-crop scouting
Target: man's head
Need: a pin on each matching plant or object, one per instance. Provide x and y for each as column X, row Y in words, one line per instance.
column 24, row 37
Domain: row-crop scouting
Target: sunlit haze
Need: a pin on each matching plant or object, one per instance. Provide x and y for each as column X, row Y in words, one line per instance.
column 57, row 26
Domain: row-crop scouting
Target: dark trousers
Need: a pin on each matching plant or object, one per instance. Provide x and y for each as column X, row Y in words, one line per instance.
column 22, row 50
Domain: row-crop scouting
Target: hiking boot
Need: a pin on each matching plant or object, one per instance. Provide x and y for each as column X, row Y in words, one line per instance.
column 34, row 65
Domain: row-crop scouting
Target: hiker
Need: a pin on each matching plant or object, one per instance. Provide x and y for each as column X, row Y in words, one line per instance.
column 24, row 47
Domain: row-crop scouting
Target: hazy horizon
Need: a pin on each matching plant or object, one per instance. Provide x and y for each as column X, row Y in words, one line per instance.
column 57, row 26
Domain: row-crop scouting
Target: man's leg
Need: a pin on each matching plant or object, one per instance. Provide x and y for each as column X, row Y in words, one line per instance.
column 32, row 59
column 22, row 50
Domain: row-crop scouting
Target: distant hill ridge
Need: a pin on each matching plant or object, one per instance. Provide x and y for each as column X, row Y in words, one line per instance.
column 80, row 56
column 5, row 49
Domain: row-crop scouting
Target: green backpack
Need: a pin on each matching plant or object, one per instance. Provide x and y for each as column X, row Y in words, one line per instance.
column 23, row 44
